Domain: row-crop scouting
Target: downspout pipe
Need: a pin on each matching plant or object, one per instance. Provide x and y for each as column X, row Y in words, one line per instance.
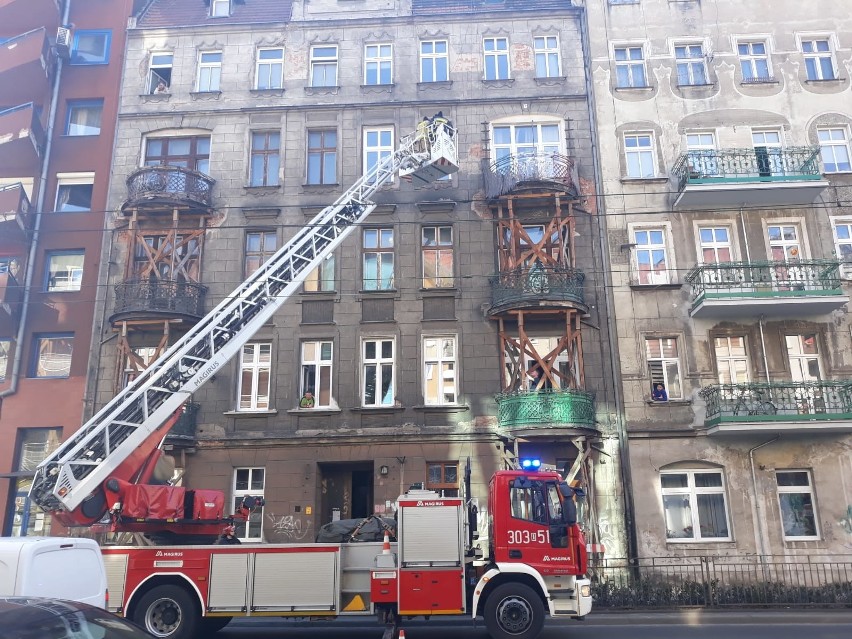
column 32, row 255
column 761, row 541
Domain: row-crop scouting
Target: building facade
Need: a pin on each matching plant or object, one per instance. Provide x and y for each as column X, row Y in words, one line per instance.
column 60, row 69
column 462, row 326
column 724, row 137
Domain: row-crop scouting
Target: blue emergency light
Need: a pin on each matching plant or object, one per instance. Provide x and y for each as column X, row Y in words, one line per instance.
column 530, row 464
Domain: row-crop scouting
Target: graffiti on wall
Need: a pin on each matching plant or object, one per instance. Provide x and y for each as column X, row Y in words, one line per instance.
column 288, row 527
column 846, row 522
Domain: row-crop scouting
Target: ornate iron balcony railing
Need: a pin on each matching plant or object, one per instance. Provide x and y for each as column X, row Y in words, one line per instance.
column 777, row 402
column 169, row 184
column 764, row 164
column 764, row 279
column 507, row 173
column 537, row 284
column 546, row 408
column 160, row 297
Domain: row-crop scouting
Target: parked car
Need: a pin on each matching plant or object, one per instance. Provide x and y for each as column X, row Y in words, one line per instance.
column 42, row 618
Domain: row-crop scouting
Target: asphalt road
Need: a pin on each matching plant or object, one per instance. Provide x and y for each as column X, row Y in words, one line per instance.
column 812, row 624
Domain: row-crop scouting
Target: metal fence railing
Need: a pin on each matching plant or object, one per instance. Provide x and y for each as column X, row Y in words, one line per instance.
column 723, row 581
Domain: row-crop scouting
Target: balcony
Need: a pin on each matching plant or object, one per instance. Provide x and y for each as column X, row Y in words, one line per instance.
column 531, row 172
column 163, row 188
column 778, row 407
column 745, row 289
column 734, row 178
column 11, row 294
column 546, row 412
column 25, row 68
column 152, row 299
column 182, row 434
column 21, row 140
column 14, row 216
column 537, row 288
column 17, row 16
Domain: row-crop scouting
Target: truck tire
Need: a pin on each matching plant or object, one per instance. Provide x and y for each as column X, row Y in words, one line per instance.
column 209, row 625
column 167, row 612
column 514, row 611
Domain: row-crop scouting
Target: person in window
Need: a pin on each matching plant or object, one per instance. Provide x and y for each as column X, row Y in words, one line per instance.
column 535, row 375
column 228, row 537
column 658, row 394
column 307, row 400
column 161, row 87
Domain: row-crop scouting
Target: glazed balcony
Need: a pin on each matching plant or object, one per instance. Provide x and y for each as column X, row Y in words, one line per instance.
column 25, row 68
column 540, row 287
column 147, row 299
column 15, row 219
column 163, row 188
column 777, row 407
column 18, row 16
column 546, row 411
column 534, row 171
column 742, row 289
column 21, row 140
column 733, row 178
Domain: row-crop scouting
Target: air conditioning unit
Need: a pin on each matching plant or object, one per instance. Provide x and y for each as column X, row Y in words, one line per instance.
column 63, row 41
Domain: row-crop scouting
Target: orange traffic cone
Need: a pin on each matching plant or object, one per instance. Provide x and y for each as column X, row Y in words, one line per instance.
column 401, row 633
column 386, row 544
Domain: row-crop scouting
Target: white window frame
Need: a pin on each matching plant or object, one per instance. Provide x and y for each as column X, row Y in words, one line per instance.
column 380, row 150
column 68, row 280
column 730, row 361
column 797, row 490
column 319, row 364
column 383, row 252
column 831, row 143
column 220, row 8
column 654, row 278
column 547, row 56
column 664, row 360
column 701, row 151
column 154, row 76
column 378, row 58
column 630, row 63
column 691, row 63
column 645, row 154
column 5, row 352
column 840, row 242
column 324, row 62
column 433, row 252
column 816, row 56
column 243, row 528
column 714, row 244
column 255, row 366
column 501, row 150
column 73, row 179
column 212, row 69
column 435, row 57
column 798, row 361
column 495, row 55
column 752, row 60
column 266, row 69
column 435, row 365
column 379, row 362
column 692, row 493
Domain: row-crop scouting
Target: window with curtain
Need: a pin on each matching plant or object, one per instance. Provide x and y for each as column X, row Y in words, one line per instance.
column 84, row 117
column 694, row 505
column 378, row 256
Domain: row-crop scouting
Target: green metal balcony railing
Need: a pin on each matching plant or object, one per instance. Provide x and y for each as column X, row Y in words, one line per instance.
column 728, row 280
column 537, row 284
column 763, row 164
column 546, row 408
column 777, row 402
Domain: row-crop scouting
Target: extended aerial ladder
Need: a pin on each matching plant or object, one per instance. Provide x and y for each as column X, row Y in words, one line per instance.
column 79, row 483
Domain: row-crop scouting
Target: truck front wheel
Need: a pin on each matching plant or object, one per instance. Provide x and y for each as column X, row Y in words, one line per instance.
column 167, row 612
column 514, row 611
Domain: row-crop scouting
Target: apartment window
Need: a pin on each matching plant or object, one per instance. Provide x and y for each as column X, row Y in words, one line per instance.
column 378, row 145
column 701, row 150
column 434, row 61
column 220, row 8
column 378, row 373
column 440, row 383
column 715, row 244
column 249, row 482
column 664, row 365
column 378, row 258
column 52, row 357
column 265, row 158
column 321, row 279
column 784, row 244
column 437, row 246
column 767, row 148
column 182, row 255
column 630, row 68
column 691, row 65
column 136, row 361
column 160, row 71
column 74, row 194
column 797, row 505
column 191, row 153
column 443, row 478
column 269, row 73
column 322, row 157
column 731, row 359
column 546, row 56
column 64, row 271
column 378, row 64
column 5, row 349
column 324, row 66
column 754, row 62
column 255, row 368
column 209, row 71
column 84, row 117
column 496, row 52
column 819, row 59
column 834, row 147
column 639, row 155
column 91, row 47
column 260, row 246
column 694, row 505
column 530, row 140
column 316, row 375
column 651, row 256
column 843, row 245
column 804, row 357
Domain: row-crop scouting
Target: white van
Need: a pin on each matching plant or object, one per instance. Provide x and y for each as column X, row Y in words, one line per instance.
column 54, row 567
